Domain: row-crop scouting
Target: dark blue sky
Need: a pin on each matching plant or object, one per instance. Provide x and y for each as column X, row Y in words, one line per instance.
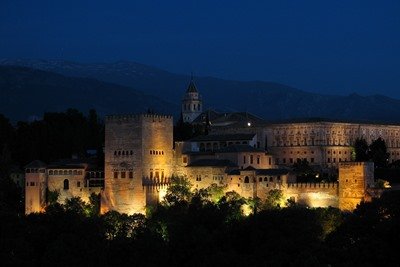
column 333, row 47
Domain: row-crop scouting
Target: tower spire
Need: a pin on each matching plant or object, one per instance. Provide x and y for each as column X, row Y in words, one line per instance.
column 192, row 105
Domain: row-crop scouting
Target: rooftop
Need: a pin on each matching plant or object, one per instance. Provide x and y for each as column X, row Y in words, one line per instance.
column 265, row 172
column 231, row 119
column 239, row 148
column 223, row 137
column 212, row 163
column 36, row 164
column 191, row 88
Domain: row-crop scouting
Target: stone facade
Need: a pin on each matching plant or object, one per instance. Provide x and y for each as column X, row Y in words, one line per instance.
column 355, row 178
column 68, row 180
column 322, row 143
column 35, row 187
column 138, row 151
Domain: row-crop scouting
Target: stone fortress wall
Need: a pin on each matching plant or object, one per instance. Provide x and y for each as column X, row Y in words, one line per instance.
column 140, row 159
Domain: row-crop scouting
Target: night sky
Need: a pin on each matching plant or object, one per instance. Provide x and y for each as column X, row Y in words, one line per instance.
column 332, row 47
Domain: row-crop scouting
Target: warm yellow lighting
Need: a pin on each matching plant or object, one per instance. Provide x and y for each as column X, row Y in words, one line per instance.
column 161, row 194
column 246, row 209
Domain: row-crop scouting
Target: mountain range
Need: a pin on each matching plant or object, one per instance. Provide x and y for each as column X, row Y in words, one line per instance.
column 128, row 87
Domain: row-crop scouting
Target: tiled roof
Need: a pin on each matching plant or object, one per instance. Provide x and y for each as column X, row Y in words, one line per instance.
column 239, row 148
column 36, row 164
column 212, row 163
column 272, row 171
column 229, row 118
column 66, row 167
column 223, row 137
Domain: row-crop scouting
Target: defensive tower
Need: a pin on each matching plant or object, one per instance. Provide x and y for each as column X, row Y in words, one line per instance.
column 138, row 160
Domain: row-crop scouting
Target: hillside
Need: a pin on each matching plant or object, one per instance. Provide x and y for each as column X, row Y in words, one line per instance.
column 27, row 93
column 269, row 100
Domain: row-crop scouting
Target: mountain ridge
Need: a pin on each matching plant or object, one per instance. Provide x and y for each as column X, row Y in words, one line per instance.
column 269, row 100
column 27, row 92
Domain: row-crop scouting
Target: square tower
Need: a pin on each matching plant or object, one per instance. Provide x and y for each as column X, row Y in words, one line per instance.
column 138, row 149
column 354, row 179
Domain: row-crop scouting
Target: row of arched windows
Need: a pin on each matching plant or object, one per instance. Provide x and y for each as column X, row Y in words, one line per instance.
column 156, row 152
column 65, row 172
column 35, row 170
column 123, row 152
column 260, row 179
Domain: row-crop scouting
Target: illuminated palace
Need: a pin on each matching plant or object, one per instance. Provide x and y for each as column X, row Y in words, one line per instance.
column 242, row 153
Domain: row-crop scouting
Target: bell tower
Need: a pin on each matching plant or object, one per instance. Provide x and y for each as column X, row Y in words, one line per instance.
column 192, row 105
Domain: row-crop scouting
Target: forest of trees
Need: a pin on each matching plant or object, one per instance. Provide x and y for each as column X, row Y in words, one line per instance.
column 56, row 136
column 200, row 228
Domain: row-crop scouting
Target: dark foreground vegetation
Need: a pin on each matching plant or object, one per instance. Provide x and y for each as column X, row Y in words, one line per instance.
column 199, row 229
column 203, row 228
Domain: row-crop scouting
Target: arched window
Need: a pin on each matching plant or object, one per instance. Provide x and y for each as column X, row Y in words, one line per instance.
column 70, row 172
column 75, row 172
column 55, row 172
column 271, row 179
column 115, row 153
column 246, row 179
column 66, row 184
column 123, row 153
column 119, row 153
column 51, row 172
column 65, row 172
column 265, row 179
column 202, row 147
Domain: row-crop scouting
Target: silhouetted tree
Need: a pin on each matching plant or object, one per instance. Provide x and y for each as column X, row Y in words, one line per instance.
column 378, row 153
column 361, row 150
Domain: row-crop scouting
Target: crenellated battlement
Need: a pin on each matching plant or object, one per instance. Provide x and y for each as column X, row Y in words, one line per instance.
column 155, row 181
column 133, row 117
column 312, row 185
column 352, row 164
